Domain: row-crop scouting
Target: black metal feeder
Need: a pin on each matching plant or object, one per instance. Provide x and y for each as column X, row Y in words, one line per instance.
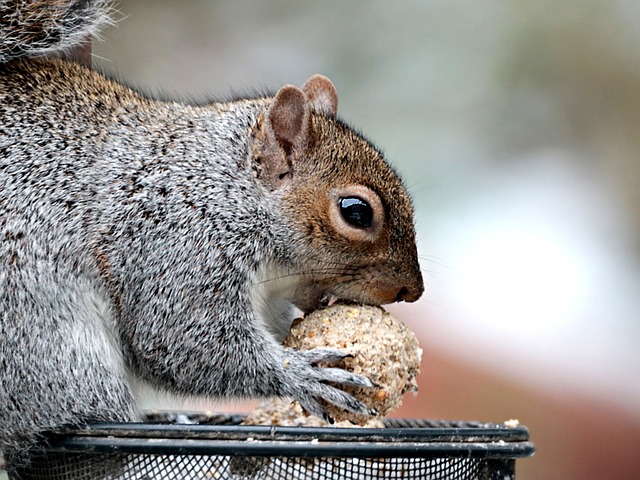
column 218, row 447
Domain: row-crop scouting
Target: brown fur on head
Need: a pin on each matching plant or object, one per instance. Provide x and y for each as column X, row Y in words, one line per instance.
column 347, row 205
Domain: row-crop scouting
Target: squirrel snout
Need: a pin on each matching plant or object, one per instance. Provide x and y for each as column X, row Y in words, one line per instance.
column 409, row 289
column 413, row 289
column 409, row 294
column 404, row 295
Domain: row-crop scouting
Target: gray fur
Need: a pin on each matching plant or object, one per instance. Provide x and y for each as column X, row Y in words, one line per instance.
column 120, row 255
column 35, row 28
column 145, row 241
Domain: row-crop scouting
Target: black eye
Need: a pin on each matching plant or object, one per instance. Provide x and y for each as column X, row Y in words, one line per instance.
column 356, row 212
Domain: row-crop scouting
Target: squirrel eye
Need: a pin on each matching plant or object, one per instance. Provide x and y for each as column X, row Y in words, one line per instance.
column 356, row 212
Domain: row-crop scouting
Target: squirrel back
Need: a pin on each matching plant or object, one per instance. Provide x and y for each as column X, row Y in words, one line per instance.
column 168, row 243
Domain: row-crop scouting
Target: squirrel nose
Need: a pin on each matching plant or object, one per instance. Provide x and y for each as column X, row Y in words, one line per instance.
column 402, row 293
column 406, row 294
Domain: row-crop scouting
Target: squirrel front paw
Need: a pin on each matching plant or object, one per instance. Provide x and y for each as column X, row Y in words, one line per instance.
column 308, row 383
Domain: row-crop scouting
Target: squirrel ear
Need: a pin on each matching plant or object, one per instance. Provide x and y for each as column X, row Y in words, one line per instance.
column 289, row 118
column 322, row 95
column 285, row 135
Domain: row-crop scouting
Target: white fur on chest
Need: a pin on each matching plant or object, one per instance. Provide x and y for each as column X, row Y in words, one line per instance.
column 270, row 293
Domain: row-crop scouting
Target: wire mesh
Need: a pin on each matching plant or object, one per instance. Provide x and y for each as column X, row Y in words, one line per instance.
column 205, row 467
column 406, row 449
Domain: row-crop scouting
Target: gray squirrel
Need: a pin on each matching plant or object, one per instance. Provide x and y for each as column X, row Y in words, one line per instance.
column 170, row 243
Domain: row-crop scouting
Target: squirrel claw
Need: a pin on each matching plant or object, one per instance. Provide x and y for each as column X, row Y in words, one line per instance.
column 326, row 355
column 343, row 377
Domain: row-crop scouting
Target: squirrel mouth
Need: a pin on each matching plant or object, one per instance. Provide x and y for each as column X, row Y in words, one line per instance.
column 327, row 300
column 310, row 299
column 314, row 297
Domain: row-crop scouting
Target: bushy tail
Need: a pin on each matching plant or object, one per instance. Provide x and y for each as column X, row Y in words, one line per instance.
column 32, row 28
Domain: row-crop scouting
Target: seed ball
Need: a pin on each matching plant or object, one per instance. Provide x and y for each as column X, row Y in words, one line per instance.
column 383, row 348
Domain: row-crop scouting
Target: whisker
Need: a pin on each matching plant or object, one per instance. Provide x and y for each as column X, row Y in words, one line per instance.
column 326, row 268
column 431, row 259
column 325, row 271
column 430, row 273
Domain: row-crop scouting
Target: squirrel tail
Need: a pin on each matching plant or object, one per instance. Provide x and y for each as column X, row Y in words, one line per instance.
column 33, row 28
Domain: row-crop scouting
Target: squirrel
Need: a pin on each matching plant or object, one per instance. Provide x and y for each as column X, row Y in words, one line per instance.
column 171, row 243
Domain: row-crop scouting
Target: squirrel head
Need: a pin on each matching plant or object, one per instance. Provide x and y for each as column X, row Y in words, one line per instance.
column 354, row 235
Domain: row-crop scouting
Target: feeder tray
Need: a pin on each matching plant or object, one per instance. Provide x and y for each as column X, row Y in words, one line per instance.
column 218, row 447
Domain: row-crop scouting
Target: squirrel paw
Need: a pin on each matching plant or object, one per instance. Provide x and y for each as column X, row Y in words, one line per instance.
column 312, row 387
column 338, row 398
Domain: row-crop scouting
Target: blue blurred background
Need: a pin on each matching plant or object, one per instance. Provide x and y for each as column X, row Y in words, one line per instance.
column 517, row 128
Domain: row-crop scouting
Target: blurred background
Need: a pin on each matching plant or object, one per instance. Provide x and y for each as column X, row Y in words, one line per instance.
column 517, row 128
